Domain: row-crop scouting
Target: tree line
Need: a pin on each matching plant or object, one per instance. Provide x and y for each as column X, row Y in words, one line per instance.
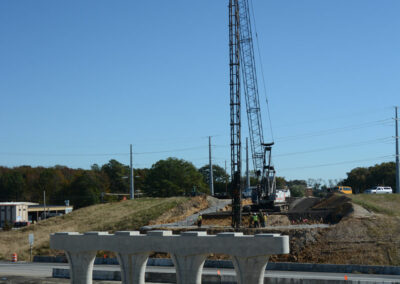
column 362, row 178
column 169, row 177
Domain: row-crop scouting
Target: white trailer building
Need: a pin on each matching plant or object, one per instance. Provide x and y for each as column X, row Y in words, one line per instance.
column 12, row 212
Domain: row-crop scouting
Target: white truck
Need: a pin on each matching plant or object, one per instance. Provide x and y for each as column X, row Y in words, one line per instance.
column 379, row 190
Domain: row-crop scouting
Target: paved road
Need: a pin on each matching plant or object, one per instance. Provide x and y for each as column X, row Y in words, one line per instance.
column 45, row 270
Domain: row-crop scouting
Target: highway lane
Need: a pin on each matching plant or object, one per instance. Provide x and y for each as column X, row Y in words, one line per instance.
column 45, row 270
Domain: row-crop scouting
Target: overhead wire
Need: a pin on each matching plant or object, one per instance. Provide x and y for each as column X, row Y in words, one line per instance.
column 361, row 143
column 333, row 130
column 104, row 154
column 338, row 163
column 335, row 117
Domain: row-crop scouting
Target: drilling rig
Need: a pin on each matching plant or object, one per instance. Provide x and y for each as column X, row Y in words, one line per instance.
column 243, row 77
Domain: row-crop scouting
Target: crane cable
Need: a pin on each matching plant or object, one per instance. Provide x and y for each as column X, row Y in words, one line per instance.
column 262, row 69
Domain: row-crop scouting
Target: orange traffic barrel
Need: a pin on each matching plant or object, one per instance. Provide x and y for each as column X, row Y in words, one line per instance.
column 14, row 257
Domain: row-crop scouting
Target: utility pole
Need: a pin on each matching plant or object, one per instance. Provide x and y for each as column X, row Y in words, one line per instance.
column 132, row 188
column 44, row 203
column 397, row 152
column 247, row 164
column 226, row 182
column 211, row 168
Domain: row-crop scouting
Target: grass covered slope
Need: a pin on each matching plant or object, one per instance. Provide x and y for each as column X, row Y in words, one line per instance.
column 119, row 216
column 388, row 204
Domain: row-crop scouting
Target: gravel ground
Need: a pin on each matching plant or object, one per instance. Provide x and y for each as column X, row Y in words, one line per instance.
column 215, row 205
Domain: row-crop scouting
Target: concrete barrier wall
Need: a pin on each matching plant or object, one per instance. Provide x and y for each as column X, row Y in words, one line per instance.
column 169, row 277
column 281, row 266
column 188, row 251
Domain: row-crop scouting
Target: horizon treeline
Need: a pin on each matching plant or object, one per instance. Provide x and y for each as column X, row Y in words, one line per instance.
column 169, row 177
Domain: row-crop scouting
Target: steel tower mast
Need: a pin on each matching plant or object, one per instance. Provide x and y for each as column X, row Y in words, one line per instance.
column 243, row 66
column 250, row 86
column 235, row 122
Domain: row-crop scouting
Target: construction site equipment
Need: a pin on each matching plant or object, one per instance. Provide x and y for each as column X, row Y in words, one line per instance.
column 242, row 66
column 235, row 121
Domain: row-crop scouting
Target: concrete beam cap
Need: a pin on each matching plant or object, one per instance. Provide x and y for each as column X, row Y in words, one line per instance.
column 267, row 235
column 127, row 233
column 96, row 233
column 230, row 234
column 193, row 234
column 159, row 233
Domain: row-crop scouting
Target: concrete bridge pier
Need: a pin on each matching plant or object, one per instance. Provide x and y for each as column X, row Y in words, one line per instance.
column 189, row 261
column 133, row 267
column 81, row 266
column 250, row 270
column 189, row 268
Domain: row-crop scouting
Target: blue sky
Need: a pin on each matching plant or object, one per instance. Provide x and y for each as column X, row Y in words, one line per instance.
column 81, row 80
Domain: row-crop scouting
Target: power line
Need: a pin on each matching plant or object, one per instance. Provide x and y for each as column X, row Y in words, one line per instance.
column 333, row 130
column 361, row 143
column 104, row 154
column 337, row 163
column 336, row 117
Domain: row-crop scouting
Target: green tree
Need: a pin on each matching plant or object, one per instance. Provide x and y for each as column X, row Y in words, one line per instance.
column 13, row 186
column 280, row 182
column 85, row 190
column 173, row 177
column 297, row 187
column 362, row 178
column 220, row 177
column 51, row 180
column 118, row 175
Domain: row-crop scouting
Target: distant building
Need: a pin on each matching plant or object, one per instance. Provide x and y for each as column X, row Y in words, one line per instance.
column 39, row 212
column 24, row 212
column 13, row 212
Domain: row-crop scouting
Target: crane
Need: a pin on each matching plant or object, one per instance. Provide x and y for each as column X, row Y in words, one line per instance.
column 243, row 67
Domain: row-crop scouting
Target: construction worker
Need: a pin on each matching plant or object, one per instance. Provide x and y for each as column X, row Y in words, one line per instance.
column 199, row 220
column 255, row 220
column 264, row 217
column 260, row 219
column 250, row 220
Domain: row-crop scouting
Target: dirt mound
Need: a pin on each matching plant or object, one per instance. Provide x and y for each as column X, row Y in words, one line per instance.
column 352, row 241
column 184, row 210
column 303, row 204
column 333, row 201
column 226, row 221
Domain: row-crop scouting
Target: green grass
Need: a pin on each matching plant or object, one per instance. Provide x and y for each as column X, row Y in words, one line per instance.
column 388, row 204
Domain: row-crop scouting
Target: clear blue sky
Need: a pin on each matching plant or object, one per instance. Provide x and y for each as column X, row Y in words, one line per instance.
column 81, row 80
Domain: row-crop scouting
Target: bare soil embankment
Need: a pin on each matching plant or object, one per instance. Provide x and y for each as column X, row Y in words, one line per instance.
column 362, row 235
column 362, row 230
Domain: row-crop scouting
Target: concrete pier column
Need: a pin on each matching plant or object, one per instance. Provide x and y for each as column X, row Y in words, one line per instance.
column 133, row 265
column 188, row 268
column 250, row 270
column 81, row 266
column 188, row 264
